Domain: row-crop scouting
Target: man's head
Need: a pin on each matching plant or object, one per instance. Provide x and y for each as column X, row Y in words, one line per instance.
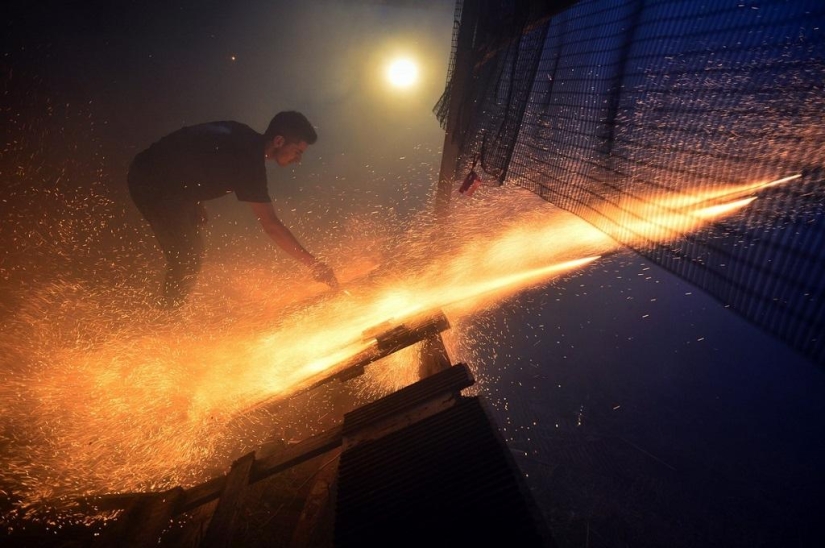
column 288, row 136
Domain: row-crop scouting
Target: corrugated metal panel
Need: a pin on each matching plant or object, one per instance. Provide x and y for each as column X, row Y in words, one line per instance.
column 448, row 478
column 451, row 380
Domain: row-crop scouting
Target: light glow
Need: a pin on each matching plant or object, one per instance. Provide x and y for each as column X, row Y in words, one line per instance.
column 668, row 217
column 402, row 72
column 111, row 400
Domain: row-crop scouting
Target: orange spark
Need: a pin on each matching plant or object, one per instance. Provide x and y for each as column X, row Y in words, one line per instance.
column 113, row 397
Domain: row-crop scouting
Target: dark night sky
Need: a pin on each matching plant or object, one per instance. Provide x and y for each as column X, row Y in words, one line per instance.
column 89, row 84
column 138, row 70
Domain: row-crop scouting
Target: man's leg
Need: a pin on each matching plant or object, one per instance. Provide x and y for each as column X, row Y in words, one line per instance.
column 176, row 227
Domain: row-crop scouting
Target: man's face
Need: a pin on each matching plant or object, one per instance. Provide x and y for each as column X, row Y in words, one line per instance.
column 289, row 153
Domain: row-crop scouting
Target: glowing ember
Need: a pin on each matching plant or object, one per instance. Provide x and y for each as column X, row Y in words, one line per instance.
column 108, row 395
column 665, row 218
column 717, row 210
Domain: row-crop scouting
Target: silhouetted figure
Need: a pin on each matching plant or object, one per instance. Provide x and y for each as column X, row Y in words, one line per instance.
column 169, row 181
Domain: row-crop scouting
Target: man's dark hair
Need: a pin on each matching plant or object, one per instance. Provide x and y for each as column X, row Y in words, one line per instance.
column 292, row 126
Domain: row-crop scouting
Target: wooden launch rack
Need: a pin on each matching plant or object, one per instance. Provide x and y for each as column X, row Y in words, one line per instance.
column 386, row 441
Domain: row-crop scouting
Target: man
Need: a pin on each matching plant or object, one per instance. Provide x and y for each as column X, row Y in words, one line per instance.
column 169, row 181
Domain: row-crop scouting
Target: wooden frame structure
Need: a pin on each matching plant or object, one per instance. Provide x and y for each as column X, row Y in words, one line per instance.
column 143, row 517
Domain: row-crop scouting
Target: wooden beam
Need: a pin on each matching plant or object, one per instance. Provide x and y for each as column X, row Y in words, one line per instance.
column 387, row 341
column 263, row 468
column 406, row 406
column 434, row 357
column 317, row 506
column 142, row 521
column 298, row 453
column 222, row 524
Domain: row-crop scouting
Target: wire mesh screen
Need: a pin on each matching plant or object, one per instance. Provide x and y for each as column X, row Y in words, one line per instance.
column 644, row 116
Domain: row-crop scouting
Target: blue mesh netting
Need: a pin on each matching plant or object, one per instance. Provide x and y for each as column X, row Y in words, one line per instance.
column 608, row 106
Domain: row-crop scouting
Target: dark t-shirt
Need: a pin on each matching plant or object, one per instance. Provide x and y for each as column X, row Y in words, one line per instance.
column 200, row 163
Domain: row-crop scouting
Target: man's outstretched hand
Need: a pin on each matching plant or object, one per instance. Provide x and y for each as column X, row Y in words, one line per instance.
column 321, row 272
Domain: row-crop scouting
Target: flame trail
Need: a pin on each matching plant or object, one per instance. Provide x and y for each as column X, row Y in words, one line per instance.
column 101, row 395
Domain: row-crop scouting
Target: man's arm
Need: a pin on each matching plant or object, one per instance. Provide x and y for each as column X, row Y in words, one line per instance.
column 284, row 239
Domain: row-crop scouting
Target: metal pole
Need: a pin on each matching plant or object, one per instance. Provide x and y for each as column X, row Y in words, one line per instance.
column 461, row 78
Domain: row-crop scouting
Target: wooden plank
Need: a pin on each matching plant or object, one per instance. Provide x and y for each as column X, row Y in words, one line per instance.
column 317, row 507
column 143, row 521
column 222, row 524
column 298, row 453
column 203, row 493
column 265, row 467
column 413, row 330
column 115, row 501
column 449, row 382
column 389, row 424
column 434, row 356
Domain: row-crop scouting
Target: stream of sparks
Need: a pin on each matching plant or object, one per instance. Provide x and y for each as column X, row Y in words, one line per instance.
column 111, row 402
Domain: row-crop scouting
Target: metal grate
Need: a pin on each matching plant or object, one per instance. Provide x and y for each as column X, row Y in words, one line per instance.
column 446, row 479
